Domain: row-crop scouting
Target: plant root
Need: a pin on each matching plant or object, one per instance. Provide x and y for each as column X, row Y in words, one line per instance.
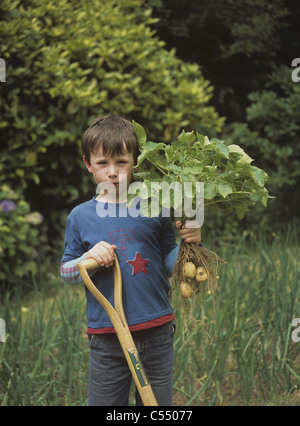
column 203, row 291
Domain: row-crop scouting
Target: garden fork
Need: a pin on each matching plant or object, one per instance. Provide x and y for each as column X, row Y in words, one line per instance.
column 117, row 317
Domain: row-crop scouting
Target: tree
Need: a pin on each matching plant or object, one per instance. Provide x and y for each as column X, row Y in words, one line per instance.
column 272, row 134
column 246, row 49
column 67, row 63
column 233, row 41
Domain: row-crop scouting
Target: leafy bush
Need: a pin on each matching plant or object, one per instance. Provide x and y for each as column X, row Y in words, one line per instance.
column 18, row 235
column 66, row 64
column 271, row 135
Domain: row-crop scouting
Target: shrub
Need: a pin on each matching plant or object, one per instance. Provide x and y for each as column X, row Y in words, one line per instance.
column 66, row 64
column 271, row 135
column 18, row 236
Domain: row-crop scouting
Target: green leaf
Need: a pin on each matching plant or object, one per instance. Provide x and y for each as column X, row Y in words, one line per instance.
column 153, row 146
column 245, row 160
column 206, row 141
column 200, row 138
column 187, row 138
column 174, row 168
column 236, row 149
column 194, row 169
column 140, row 132
column 150, row 175
column 178, row 144
column 258, row 175
column 265, row 197
column 141, row 158
column 222, row 150
column 224, row 189
column 240, row 210
column 210, row 190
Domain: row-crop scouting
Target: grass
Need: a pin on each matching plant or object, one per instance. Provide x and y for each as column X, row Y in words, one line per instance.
column 44, row 360
column 251, row 360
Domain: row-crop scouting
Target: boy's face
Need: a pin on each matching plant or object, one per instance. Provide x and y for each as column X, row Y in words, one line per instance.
column 115, row 169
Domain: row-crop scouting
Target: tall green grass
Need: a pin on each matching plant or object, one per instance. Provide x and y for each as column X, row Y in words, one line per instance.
column 252, row 359
column 44, row 360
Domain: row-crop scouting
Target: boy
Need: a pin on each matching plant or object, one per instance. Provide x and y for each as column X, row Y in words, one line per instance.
column 146, row 250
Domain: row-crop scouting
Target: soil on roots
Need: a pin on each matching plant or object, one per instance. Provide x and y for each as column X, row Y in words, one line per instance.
column 209, row 260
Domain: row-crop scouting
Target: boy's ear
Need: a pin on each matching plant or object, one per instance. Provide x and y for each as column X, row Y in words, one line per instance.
column 87, row 164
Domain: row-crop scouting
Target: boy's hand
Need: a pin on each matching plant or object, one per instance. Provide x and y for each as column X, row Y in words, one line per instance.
column 103, row 253
column 189, row 233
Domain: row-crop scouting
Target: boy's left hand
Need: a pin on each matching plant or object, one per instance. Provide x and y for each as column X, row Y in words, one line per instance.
column 189, row 233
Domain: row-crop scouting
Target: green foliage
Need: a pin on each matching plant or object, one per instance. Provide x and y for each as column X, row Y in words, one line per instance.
column 252, row 357
column 251, row 360
column 250, row 26
column 230, row 181
column 18, row 236
column 66, row 64
column 234, row 42
column 272, row 132
column 44, row 360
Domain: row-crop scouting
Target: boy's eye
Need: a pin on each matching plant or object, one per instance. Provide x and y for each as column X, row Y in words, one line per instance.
column 103, row 162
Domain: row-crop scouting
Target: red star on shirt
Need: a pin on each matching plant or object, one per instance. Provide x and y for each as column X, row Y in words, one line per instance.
column 139, row 264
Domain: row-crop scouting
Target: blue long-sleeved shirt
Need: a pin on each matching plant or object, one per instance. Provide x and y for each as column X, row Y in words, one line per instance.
column 146, row 250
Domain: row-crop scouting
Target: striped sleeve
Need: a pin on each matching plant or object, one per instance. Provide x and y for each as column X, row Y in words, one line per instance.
column 69, row 271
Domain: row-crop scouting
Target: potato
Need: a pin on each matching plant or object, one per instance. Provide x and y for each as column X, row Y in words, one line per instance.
column 189, row 270
column 201, row 275
column 186, row 290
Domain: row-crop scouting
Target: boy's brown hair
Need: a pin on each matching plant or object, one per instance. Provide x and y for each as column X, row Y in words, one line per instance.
column 112, row 132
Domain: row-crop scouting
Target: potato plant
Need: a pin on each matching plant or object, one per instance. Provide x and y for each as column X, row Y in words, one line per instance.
column 231, row 182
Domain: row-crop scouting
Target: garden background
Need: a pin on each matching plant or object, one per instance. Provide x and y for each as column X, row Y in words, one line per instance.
column 223, row 68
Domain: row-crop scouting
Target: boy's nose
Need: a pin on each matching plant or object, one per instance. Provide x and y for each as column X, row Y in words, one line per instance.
column 112, row 171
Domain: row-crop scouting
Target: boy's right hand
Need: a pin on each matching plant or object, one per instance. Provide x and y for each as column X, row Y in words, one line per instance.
column 103, row 253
